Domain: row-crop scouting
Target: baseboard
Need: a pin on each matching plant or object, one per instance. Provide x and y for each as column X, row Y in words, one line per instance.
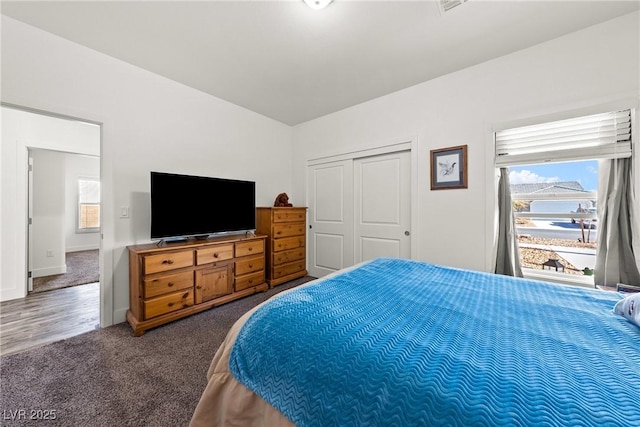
column 14, row 293
column 49, row 271
column 81, row 248
column 119, row 315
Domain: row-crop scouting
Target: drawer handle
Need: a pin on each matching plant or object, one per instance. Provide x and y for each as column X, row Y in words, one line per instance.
column 185, row 295
column 250, row 280
column 250, row 249
column 170, row 304
column 167, row 261
column 278, row 232
column 170, row 284
column 250, row 265
column 215, row 255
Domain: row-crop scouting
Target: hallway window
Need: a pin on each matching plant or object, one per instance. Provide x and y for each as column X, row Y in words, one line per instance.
column 88, row 205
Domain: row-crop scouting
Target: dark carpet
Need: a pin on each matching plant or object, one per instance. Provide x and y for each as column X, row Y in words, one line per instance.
column 108, row 377
column 82, row 267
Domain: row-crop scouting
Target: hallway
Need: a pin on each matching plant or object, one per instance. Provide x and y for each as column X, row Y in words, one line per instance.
column 46, row 317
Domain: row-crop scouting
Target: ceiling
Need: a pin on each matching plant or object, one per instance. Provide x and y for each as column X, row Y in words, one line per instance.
column 291, row 63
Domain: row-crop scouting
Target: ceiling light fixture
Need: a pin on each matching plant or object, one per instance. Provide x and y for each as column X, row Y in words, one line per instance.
column 317, row 4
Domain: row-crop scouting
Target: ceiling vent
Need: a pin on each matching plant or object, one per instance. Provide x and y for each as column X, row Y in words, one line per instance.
column 447, row 5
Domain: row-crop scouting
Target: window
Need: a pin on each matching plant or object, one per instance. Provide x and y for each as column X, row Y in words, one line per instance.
column 553, row 175
column 88, row 205
column 555, row 210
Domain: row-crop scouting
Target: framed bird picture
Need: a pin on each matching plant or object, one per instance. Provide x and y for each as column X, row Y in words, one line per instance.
column 449, row 168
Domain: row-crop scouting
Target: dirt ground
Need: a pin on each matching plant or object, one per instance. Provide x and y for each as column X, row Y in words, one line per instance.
column 534, row 258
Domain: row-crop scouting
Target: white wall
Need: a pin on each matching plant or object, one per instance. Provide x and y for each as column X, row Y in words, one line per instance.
column 151, row 123
column 590, row 70
column 77, row 167
column 148, row 123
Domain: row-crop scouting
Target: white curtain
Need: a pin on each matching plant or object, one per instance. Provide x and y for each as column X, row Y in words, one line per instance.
column 507, row 259
column 618, row 222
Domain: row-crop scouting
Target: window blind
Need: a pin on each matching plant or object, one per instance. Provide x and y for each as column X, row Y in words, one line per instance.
column 88, row 191
column 599, row 136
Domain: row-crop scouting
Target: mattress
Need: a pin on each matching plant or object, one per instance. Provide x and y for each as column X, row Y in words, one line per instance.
column 400, row 342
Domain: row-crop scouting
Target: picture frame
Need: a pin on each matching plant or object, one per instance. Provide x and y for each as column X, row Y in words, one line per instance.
column 449, row 168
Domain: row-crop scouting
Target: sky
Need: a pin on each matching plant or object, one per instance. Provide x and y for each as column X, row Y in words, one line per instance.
column 585, row 172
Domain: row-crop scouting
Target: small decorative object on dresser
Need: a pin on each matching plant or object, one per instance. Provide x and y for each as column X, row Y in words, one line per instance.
column 286, row 242
column 175, row 280
column 282, row 201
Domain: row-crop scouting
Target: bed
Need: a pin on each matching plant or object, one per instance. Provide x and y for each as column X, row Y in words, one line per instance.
column 396, row 342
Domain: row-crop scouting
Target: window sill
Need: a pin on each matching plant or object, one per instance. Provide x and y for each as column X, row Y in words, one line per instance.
column 562, row 278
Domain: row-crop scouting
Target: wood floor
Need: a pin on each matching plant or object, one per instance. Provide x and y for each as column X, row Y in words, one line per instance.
column 46, row 317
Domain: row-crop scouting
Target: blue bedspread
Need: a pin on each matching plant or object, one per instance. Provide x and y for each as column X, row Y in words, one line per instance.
column 405, row 343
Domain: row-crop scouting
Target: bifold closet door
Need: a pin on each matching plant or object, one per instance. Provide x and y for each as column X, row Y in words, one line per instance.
column 359, row 209
column 330, row 217
column 382, row 206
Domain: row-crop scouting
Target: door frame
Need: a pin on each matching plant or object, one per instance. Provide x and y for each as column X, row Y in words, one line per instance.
column 22, row 238
column 400, row 144
column 31, row 236
column 29, row 220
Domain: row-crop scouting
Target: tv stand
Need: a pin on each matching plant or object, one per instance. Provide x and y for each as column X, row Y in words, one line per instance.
column 179, row 279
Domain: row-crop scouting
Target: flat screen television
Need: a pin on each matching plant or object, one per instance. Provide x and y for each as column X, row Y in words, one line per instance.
column 198, row 206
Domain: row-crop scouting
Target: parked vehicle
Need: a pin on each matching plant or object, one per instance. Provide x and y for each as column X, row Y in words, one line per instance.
column 588, row 223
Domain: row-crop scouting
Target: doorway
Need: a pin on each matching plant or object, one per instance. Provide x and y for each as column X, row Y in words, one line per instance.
column 23, row 131
column 359, row 209
column 64, row 220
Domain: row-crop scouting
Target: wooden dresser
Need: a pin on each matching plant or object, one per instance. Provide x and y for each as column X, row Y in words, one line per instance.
column 175, row 280
column 286, row 230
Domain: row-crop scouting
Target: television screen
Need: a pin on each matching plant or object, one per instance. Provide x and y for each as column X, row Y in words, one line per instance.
column 185, row 205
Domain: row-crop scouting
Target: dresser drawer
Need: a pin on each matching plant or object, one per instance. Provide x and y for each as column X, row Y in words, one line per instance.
column 249, row 280
column 293, row 215
column 165, row 284
column 288, row 243
column 249, row 265
column 167, row 261
column 216, row 253
column 250, row 248
column 288, row 256
column 286, row 269
column 288, row 230
column 167, row 303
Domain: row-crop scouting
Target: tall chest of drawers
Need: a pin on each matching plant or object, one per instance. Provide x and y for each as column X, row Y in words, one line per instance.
column 286, row 248
column 175, row 280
